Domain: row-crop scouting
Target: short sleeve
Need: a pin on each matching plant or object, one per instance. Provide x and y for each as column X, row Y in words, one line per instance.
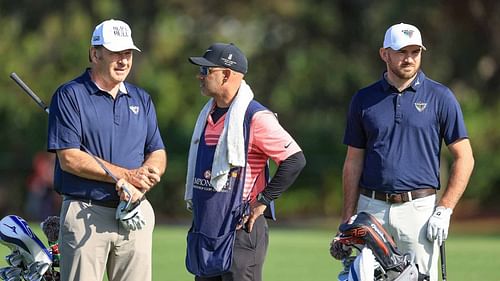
column 354, row 134
column 268, row 136
column 64, row 128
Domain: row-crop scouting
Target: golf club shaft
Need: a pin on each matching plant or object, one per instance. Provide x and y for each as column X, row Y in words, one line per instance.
column 442, row 251
column 40, row 103
column 28, row 91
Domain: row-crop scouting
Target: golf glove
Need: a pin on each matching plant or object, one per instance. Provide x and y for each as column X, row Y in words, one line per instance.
column 437, row 227
column 130, row 216
column 339, row 250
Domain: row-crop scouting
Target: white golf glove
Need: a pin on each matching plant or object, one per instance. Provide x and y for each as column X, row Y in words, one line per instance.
column 438, row 224
column 130, row 216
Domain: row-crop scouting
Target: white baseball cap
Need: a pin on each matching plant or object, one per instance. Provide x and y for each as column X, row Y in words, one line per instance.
column 401, row 35
column 114, row 35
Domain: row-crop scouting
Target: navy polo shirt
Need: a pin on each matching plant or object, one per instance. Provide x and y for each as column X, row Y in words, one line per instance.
column 402, row 132
column 121, row 131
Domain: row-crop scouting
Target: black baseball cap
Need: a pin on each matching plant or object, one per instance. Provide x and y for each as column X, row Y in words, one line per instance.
column 223, row 55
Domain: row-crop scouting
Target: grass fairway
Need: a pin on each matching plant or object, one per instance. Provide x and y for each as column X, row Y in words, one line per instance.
column 298, row 254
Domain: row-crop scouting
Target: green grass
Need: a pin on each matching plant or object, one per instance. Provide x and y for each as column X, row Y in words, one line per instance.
column 297, row 254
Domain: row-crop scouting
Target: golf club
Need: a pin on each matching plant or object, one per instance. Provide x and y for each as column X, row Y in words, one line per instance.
column 443, row 261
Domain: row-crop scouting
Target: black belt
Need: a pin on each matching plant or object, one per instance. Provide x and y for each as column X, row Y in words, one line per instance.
column 398, row 197
column 108, row 204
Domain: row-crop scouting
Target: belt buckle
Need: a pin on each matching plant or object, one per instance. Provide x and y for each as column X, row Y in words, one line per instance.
column 393, row 198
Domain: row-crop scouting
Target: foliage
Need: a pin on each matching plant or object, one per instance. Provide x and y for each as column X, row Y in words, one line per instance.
column 306, row 59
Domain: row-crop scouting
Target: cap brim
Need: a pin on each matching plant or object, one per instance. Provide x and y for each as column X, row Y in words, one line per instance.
column 201, row 61
column 397, row 48
column 120, row 47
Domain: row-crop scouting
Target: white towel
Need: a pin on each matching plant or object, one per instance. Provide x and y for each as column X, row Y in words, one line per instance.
column 230, row 150
column 363, row 267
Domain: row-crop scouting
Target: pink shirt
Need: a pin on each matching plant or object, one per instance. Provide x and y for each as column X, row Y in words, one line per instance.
column 267, row 140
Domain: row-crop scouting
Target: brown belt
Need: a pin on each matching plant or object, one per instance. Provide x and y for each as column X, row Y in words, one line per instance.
column 398, row 197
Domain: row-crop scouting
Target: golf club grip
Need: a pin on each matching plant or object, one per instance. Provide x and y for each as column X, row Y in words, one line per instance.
column 443, row 261
column 27, row 89
column 40, row 103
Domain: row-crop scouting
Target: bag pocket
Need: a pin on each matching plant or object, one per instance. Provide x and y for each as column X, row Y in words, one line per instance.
column 209, row 256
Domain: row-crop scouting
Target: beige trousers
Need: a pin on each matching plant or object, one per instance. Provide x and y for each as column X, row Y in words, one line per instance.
column 407, row 223
column 92, row 241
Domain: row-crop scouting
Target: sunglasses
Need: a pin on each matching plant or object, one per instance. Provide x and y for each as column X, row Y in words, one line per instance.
column 205, row 70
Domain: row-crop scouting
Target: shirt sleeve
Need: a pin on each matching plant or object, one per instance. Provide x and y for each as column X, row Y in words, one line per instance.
column 153, row 140
column 270, row 138
column 64, row 127
column 354, row 134
column 451, row 119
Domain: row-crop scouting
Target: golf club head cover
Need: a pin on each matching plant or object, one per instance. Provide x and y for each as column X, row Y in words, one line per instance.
column 338, row 249
column 16, row 234
column 50, row 227
column 365, row 229
column 130, row 216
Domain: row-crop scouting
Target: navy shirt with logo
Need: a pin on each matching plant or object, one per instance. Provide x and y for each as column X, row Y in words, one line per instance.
column 121, row 131
column 402, row 132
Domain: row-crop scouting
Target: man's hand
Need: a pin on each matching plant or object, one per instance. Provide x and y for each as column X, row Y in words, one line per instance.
column 256, row 210
column 339, row 250
column 126, row 191
column 144, row 177
column 439, row 222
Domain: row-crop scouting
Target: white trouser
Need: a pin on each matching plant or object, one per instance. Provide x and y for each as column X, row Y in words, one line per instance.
column 407, row 224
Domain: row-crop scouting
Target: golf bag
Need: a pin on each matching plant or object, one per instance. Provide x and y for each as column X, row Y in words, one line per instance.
column 29, row 260
column 379, row 256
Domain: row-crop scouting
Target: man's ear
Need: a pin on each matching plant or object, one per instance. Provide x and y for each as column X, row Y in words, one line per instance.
column 93, row 54
column 383, row 52
column 227, row 73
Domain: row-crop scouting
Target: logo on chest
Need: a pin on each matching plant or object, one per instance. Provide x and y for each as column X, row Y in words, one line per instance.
column 420, row 106
column 134, row 109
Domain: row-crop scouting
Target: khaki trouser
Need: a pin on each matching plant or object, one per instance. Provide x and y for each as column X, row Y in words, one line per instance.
column 407, row 224
column 92, row 241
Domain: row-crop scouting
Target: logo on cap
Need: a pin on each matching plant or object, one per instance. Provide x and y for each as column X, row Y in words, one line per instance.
column 120, row 31
column 229, row 60
column 408, row 32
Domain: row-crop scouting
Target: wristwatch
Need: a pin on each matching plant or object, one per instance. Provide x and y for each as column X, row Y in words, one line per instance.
column 261, row 198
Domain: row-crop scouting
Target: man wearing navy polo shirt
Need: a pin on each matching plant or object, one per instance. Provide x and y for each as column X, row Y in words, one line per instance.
column 395, row 128
column 99, row 113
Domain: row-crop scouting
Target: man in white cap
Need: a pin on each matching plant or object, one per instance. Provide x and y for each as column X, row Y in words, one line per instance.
column 100, row 115
column 395, row 128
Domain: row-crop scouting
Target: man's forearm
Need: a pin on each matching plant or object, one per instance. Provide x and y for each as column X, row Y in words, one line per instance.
column 351, row 174
column 461, row 171
column 82, row 164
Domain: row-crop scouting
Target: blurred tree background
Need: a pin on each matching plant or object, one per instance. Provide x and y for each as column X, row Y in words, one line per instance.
column 306, row 60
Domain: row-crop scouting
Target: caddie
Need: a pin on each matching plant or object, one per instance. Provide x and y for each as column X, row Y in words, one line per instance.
column 100, row 114
column 227, row 185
